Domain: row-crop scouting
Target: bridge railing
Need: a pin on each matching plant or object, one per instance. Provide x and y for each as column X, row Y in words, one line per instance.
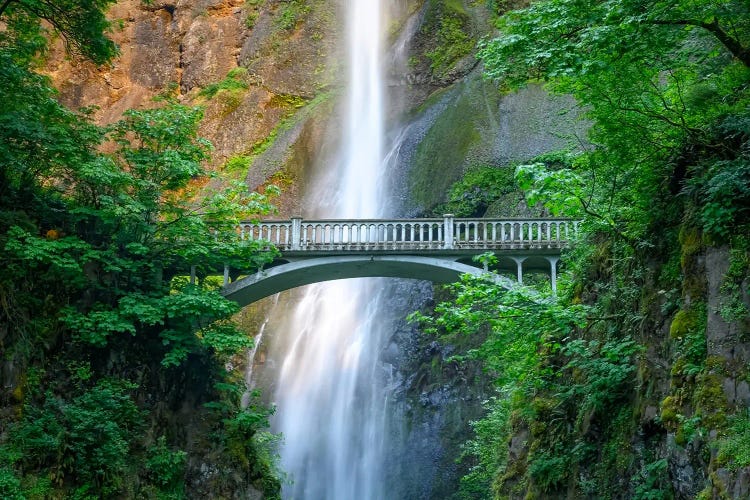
column 447, row 233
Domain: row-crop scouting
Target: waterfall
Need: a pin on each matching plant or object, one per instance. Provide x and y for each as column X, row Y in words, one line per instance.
column 330, row 393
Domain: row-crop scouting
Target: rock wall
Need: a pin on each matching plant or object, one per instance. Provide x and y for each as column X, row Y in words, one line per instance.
column 288, row 52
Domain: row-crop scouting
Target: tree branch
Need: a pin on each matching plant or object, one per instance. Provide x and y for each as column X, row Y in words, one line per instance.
column 732, row 44
column 4, row 6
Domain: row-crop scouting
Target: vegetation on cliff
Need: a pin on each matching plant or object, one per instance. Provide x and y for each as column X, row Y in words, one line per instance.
column 104, row 337
column 625, row 385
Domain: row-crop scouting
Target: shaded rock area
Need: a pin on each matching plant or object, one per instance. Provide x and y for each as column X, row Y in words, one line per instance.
column 434, row 400
column 495, row 130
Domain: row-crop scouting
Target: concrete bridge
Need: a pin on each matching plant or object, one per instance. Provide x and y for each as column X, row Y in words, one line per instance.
column 438, row 250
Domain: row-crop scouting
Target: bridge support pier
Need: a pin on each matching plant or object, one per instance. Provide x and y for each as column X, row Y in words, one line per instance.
column 519, row 271
column 553, row 273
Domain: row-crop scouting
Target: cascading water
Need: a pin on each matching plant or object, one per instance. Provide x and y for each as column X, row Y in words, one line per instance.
column 330, row 390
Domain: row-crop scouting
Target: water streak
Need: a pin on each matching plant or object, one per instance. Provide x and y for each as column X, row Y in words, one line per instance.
column 330, row 393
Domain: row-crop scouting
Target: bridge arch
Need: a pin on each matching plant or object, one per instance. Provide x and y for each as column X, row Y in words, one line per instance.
column 305, row 272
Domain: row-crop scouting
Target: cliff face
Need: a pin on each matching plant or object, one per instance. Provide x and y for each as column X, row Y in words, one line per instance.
column 269, row 75
column 252, row 65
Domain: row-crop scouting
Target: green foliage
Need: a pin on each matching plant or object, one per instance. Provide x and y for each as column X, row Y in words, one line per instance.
column 553, row 182
column 234, row 81
column 720, row 182
column 166, row 467
column 292, row 13
column 550, row 468
column 82, row 24
column 548, row 38
column 229, row 91
column 251, row 8
column 87, row 438
column 678, row 111
column 666, row 89
column 601, row 371
column 453, row 44
column 99, row 227
column 101, row 425
column 238, row 164
column 655, row 485
column 530, row 352
column 446, row 22
column 10, row 485
column 491, row 435
column 243, row 434
column 477, row 190
column 733, row 450
column 688, row 330
column 733, row 307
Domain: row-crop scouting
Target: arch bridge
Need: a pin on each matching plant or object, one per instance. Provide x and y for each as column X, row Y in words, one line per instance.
column 438, row 250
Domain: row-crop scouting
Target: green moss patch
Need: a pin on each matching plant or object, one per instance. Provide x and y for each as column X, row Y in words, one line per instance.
column 447, row 24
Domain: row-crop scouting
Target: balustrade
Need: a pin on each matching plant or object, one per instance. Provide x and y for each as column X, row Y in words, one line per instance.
column 447, row 233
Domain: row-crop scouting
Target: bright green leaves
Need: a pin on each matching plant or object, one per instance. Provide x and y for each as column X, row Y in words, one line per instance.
column 657, row 80
column 90, row 434
column 82, row 23
column 243, row 418
column 478, row 189
column 571, row 38
column 96, row 326
column 186, row 310
column 602, row 370
column 166, row 468
column 563, row 192
column 139, row 220
column 99, row 229
column 188, row 320
column 734, row 447
column 62, row 256
column 225, row 338
column 100, row 427
column 39, row 138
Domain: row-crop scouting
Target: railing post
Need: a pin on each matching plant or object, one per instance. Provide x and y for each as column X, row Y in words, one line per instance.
column 448, row 231
column 296, row 243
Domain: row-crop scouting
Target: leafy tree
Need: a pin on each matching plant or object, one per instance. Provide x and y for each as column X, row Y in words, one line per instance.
column 658, row 79
column 569, row 38
column 99, row 230
column 82, row 23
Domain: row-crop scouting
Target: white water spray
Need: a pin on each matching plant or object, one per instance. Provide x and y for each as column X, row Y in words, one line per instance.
column 330, row 397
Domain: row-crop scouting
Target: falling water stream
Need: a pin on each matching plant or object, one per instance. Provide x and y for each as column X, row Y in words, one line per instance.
column 331, row 395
